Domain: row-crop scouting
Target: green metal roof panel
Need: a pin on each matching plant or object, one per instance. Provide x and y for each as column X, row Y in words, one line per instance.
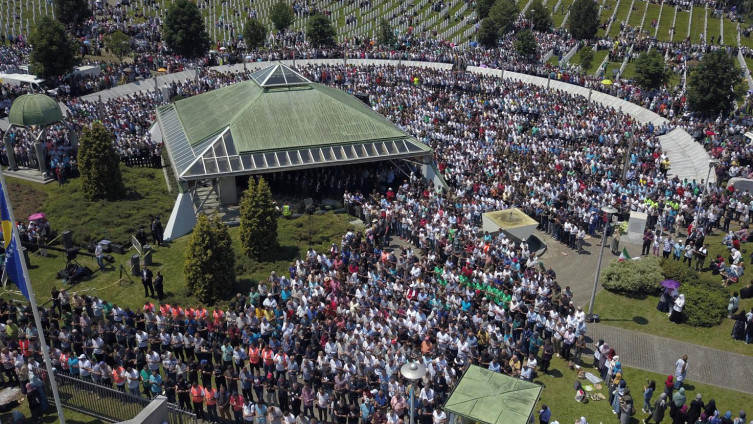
column 207, row 114
column 305, row 116
column 493, row 398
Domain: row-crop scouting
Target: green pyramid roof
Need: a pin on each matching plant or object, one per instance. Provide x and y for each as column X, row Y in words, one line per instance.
column 34, row 109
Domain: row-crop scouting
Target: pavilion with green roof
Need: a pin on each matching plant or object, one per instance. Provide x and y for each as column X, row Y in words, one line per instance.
column 277, row 121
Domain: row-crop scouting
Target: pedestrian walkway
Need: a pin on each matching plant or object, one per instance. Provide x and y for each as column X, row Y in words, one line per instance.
column 659, row 354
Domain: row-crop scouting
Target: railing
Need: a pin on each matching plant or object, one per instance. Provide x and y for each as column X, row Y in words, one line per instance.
column 106, row 403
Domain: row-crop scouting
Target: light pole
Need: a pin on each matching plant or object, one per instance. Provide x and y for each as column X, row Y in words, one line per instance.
column 712, row 164
column 609, row 211
column 413, row 372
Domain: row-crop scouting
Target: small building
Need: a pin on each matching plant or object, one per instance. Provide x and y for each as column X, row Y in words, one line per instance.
column 277, row 121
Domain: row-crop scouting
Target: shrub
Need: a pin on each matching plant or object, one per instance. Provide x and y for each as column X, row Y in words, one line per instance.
column 705, row 303
column 639, row 277
column 676, row 270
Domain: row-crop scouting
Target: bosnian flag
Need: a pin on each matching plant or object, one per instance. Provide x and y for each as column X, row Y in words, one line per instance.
column 624, row 256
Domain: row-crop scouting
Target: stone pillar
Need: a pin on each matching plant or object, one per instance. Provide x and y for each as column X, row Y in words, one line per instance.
column 9, row 150
column 227, row 191
column 39, row 147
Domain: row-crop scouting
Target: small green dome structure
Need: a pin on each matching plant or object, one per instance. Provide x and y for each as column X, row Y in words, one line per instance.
column 34, row 109
column 36, row 113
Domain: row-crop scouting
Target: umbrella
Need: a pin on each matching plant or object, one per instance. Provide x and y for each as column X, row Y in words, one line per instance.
column 606, row 82
column 161, row 70
column 37, row 216
column 670, row 284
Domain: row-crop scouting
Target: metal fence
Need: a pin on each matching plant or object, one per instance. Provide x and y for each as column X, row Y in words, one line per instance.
column 106, row 403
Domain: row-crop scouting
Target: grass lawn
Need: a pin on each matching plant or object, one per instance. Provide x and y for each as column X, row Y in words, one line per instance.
column 558, row 394
column 681, row 25
column 730, row 33
column 665, row 26
column 598, row 58
column 749, row 62
column 559, row 16
column 554, row 60
column 652, row 14
column 745, row 41
column 606, row 13
column 622, row 14
column 611, row 67
column 640, row 314
column 293, row 236
column 635, row 18
column 71, row 416
column 697, row 24
column 629, row 72
column 713, row 28
column 68, row 209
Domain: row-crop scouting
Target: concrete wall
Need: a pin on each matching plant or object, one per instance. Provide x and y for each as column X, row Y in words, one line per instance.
column 154, row 413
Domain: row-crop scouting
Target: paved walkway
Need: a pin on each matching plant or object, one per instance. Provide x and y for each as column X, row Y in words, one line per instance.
column 640, row 350
column 659, row 354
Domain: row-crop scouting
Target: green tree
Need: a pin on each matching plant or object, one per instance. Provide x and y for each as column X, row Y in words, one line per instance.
column 386, row 34
column 54, row 53
column 483, row 7
column 72, row 12
column 584, row 19
column 282, row 16
column 587, row 58
column 539, row 16
column 487, row 33
column 209, row 261
column 258, row 220
column 504, row 13
column 119, row 44
column 651, row 70
column 99, row 165
column 319, row 30
column 712, row 84
column 254, row 33
column 184, row 30
column 525, row 44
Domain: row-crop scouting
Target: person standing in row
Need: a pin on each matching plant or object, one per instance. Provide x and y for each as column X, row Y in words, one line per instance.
column 146, row 281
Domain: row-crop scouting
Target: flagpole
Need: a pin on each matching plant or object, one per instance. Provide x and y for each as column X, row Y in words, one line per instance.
column 34, row 308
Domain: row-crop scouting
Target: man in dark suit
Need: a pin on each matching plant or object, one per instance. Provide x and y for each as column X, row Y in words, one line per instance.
column 159, row 286
column 146, row 280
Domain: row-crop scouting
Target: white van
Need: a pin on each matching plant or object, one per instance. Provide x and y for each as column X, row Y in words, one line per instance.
column 36, row 85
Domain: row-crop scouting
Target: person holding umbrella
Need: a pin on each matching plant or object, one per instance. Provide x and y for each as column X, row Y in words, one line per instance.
column 668, row 286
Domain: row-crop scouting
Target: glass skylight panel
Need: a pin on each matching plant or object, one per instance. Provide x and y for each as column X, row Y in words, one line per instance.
column 248, row 162
column 271, row 160
column 295, row 157
column 282, row 159
column 211, row 166
column 223, row 165
column 259, row 161
column 235, row 163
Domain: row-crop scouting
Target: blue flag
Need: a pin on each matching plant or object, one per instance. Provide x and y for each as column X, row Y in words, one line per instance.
column 12, row 264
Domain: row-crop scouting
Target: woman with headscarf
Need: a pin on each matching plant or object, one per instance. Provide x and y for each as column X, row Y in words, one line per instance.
column 727, row 418
column 696, row 407
column 680, row 415
column 617, row 395
column 614, row 386
column 678, row 400
column 626, row 406
column 657, row 416
column 669, row 386
column 738, row 328
column 679, row 305
column 34, row 400
column 710, row 408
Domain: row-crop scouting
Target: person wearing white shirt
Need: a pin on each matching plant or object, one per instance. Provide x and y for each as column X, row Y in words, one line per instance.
column 438, row 416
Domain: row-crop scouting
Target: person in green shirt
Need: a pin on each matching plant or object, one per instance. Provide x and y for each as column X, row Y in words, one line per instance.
column 11, row 330
column 145, row 374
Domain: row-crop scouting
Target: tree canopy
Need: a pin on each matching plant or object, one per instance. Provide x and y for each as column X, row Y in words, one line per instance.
column 282, row 16
column 650, row 70
column 54, row 53
column 119, row 44
column 258, row 220
column 319, row 30
column 254, row 33
column 483, row 7
column 487, row 34
column 712, row 84
column 72, row 12
column 587, row 58
column 184, row 30
column 386, row 33
column 209, row 261
column 583, row 22
column 504, row 13
column 539, row 16
column 99, row 164
column 525, row 44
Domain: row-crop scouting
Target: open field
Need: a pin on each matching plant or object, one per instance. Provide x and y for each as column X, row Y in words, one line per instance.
column 665, row 26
